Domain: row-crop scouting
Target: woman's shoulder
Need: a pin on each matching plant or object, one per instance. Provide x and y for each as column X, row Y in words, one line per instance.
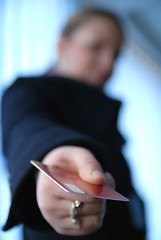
column 66, row 86
column 32, row 82
column 43, row 80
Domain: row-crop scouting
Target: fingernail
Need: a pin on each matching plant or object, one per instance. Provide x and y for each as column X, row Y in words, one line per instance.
column 97, row 174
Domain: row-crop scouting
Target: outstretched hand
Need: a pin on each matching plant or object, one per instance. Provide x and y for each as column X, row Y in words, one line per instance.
column 55, row 204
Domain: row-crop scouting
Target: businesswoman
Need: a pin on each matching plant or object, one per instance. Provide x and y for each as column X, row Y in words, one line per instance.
column 64, row 119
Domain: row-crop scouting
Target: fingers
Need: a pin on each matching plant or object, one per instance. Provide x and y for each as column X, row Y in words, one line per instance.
column 90, row 216
column 88, row 225
column 86, row 209
column 55, row 205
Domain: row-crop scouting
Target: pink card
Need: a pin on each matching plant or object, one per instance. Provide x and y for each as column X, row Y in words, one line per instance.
column 71, row 182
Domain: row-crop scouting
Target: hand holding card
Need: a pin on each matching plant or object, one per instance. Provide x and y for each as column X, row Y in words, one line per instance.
column 71, row 182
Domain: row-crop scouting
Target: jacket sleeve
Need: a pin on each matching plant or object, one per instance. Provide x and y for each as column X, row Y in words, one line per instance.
column 30, row 131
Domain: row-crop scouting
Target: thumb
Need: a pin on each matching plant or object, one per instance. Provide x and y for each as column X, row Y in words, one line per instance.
column 109, row 180
column 76, row 159
column 88, row 167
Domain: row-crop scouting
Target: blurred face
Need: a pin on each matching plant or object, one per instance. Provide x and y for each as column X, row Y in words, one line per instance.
column 90, row 52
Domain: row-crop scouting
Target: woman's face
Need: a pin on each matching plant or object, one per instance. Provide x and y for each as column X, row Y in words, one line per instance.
column 90, row 52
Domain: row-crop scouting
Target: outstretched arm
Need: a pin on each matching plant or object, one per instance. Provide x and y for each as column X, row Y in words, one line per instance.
column 30, row 131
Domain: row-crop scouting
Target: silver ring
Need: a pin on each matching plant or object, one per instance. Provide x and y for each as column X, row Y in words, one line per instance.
column 75, row 213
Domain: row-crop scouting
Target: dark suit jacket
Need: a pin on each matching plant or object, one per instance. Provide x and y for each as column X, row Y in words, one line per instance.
column 41, row 113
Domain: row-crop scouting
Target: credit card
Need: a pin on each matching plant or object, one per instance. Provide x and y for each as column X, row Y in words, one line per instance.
column 72, row 183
